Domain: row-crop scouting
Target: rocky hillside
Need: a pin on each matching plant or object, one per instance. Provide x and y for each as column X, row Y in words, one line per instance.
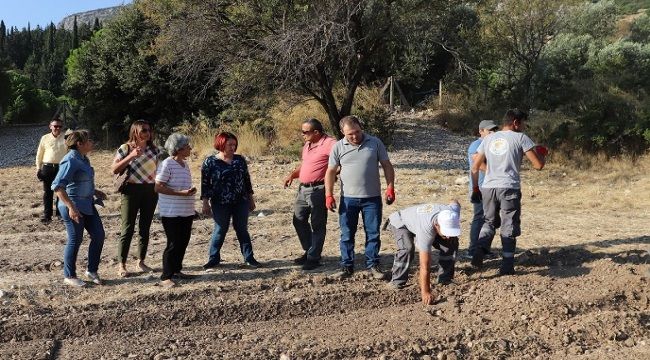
column 88, row 17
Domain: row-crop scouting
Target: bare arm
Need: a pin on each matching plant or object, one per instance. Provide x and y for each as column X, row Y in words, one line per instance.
column 162, row 188
column 119, row 165
column 538, row 161
column 476, row 167
column 330, row 179
column 293, row 175
column 425, row 281
column 483, row 164
column 389, row 172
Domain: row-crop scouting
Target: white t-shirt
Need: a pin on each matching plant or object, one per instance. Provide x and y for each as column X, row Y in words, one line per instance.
column 176, row 177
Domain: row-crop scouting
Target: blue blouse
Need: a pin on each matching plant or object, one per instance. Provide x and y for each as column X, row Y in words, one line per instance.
column 224, row 183
column 78, row 178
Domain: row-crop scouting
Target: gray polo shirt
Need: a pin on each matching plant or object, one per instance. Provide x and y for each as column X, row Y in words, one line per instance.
column 504, row 151
column 419, row 220
column 359, row 166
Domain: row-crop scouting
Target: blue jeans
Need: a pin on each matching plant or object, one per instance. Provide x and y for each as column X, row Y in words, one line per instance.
column 370, row 209
column 222, row 214
column 93, row 225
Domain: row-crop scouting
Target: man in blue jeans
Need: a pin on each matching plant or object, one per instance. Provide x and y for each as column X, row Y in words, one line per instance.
column 485, row 128
column 358, row 156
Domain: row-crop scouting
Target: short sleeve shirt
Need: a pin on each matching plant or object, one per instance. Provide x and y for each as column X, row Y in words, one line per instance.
column 359, row 166
column 142, row 170
column 176, row 177
column 314, row 160
column 419, row 220
column 504, row 151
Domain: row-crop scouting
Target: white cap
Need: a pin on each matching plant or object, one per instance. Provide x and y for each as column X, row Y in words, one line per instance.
column 449, row 223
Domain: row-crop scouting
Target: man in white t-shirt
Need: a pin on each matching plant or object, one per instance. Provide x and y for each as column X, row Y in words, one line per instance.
column 423, row 227
column 501, row 189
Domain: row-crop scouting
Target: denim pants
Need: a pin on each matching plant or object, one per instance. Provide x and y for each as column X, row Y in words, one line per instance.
column 93, row 225
column 502, row 208
column 178, row 230
column 222, row 214
column 310, row 203
column 370, row 209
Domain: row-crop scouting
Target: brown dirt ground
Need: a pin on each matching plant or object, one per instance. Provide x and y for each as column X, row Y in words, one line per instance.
column 581, row 290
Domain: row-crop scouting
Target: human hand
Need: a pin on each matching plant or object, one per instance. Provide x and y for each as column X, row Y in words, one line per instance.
column 189, row 192
column 206, row 210
column 477, row 197
column 287, row 181
column 427, row 298
column 390, row 195
column 330, row 203
column 137, row 151
column 74, row 214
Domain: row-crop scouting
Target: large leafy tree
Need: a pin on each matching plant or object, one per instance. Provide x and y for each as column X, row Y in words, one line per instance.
column 319, row 49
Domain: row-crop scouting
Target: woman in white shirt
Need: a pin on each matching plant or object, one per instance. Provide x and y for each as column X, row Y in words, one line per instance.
column 176, row 205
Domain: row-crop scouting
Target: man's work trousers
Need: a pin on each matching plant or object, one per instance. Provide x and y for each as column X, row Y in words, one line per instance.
column 48, row 173
column 310, row 204
column 501, row 207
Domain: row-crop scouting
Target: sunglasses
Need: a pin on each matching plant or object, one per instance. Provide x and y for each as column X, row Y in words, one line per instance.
column 57, row 126
column 307, row 132
column 145, row 130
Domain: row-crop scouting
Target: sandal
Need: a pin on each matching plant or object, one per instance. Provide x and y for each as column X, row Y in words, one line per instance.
column 144, row 268
column 167, row 284
column 121, row 272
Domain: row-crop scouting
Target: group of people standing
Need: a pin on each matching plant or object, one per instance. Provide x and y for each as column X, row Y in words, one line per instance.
column 227, row 194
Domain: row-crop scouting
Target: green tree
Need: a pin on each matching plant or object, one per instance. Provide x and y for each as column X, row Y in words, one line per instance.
column 75, row 34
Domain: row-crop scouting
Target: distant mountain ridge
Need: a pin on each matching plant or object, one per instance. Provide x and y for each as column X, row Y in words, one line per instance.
column 88, row 17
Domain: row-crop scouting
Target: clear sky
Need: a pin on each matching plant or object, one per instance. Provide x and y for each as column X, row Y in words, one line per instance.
column 41, row 12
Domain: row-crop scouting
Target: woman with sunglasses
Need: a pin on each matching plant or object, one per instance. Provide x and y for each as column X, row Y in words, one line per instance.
column 139, row 158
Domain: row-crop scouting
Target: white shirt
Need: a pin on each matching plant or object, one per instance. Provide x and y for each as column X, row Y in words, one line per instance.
column 176, row 177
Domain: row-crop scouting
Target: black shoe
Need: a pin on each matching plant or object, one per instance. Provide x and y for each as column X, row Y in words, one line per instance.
column 301, row 260
column 344, row 273
column 477, row 259
column 253, row 263
column 210, row 265
column 506, row 272
column 46, row 220
column 310, row 264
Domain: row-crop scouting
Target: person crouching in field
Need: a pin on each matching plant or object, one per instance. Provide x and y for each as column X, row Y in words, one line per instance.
column 176, row 205
column 227, row 192
column 139, row 158
column 501, row 190
column 74, row 184
column 432, row 225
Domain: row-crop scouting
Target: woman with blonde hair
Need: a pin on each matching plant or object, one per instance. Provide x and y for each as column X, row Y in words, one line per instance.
column 75, row 187
column 139, row 158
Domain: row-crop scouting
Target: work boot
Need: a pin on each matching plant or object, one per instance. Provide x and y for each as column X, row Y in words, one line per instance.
column 310, row 264
column 345, row 272
column 477, row 259
column 507, row 266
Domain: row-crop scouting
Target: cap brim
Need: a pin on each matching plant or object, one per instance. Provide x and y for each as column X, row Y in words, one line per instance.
column 450, row 232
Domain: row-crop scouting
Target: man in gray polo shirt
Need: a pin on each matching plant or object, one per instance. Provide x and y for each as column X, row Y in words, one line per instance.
column 501, row 190
column 358, row 156
column 432, row 225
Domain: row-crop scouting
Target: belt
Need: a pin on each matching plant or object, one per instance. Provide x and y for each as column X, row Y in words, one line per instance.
column 312, row 184
column 51, row 164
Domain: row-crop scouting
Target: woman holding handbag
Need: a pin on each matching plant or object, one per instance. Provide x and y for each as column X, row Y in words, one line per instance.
column 138, row 157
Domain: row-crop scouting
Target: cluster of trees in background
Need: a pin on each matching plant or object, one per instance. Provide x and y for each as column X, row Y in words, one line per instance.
column 582, row 68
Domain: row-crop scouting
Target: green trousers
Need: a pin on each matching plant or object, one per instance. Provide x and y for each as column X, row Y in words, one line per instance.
column 136, row 198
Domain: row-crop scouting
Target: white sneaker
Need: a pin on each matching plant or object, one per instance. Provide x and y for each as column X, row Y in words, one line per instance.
column 94, row 277
column 74, row 282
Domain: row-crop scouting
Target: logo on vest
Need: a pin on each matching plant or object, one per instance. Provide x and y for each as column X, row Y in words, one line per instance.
column 498, row 147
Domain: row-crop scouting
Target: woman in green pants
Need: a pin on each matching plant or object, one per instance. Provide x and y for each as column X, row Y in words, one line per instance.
column 139, row 157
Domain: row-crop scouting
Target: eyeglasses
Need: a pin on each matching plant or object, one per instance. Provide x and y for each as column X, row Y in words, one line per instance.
column 57, row 126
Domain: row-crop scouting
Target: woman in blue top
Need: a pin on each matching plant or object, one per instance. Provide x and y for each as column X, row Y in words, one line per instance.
column 74, row 185
column 227, row 192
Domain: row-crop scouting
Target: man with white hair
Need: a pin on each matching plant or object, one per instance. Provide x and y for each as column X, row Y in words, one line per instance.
column 424, row 227
column 51, row 149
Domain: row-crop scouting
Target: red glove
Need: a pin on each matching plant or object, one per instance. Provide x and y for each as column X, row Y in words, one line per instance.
column 390, row 195
column 541, row 150
column 330, row 203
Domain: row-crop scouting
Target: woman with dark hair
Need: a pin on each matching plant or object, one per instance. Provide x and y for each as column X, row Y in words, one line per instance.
column 75, row 186
column 227, row 192
column 139, row 158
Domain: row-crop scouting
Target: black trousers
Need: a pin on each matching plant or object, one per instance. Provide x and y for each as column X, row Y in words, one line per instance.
column 178, row 231
column 48, row 173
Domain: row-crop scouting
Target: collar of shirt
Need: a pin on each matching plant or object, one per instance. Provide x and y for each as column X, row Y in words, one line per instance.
column 320, row 142
column 365, row 139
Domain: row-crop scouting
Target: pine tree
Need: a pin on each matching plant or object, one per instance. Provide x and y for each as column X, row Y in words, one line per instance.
column 51, row 39
column 96, row 25
column 75, row 34
column 3, row 36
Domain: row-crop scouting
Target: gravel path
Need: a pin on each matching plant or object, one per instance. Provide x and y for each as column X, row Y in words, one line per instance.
column 18, row 144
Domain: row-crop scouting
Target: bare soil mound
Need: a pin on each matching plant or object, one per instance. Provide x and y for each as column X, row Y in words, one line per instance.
column 581, row 289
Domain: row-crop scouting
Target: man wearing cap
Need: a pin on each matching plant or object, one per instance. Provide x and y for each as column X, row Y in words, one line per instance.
column 432, row 225
column 51, row 150
column 310, row 200
column 501, row 190
column 485, row 127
